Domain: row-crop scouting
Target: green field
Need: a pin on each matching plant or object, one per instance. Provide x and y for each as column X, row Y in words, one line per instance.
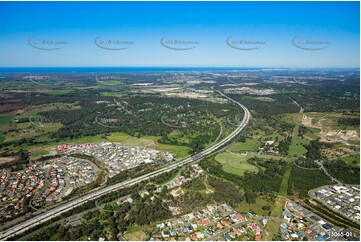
column 132, row 229
column 26, row 116
column 249, row 145
column 223, row 156
column 296, row 148
column 244, row 207
column 133, row 141
column 110, row 82
column 59, row 92
column 179, row 151
column 17, row 85
column 33, row 110
column 135, row 236
column 118, row 137
column 235, row 164
column 28, row 130
column 38, row 153
column 42, row 149
column 92, row 139
column 230, row 157
column 6, row 119
column 352, row 160
column 272, row 228
column 278, row 206
column 286, row 177
column 239, row 168
column 179, row 136
column 312, row 133
column 134, row 233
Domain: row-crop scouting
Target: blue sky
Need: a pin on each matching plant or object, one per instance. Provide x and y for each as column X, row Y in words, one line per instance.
column 208, row 24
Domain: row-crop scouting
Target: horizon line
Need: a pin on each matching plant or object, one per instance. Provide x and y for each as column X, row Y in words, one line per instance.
column 236, row 67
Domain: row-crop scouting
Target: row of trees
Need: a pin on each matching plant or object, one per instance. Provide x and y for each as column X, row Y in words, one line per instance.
column 349, row 121
column 23, row 159
column 267, row 179
column 302, row 180
column 343, row 172
column 314, row 150
column 142, row 115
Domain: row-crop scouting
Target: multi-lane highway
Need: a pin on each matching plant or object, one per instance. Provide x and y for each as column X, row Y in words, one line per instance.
column 56, row 211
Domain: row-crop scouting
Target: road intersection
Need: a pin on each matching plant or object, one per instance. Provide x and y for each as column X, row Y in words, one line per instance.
column 56, row 211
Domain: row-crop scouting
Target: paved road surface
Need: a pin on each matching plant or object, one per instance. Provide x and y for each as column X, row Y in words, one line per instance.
column 56, row 211
column 238, row 224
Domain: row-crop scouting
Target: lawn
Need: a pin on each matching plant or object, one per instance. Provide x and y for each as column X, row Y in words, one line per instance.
column 278, row 207
column 257, row 132
column 296, row 148
column 286, row 177
column 312, row 134
column 179, row 151
column 244, row 207
column 235, row 164
column 239, row 168
column 274, row 137
column 230, row 157
column 272, row 228
column 39, row 153
column 132, row 229
column 249, row 145
column 134, row 233
column 222, row 157
column 155, row 138
column 179, row 136
column 297, row 118
column 118, row 137
column 133, row 141
column 135, row 236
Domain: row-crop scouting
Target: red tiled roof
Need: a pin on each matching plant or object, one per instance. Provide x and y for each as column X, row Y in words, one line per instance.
column 239, row 216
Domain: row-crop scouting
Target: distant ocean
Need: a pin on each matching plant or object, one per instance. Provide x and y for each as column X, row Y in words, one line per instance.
column 116, row 69
column 151, row 69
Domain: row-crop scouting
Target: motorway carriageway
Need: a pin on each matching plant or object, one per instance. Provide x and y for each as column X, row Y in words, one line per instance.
column 56, row 211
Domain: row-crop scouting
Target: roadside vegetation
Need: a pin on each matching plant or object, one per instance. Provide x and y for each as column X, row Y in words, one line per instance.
column 301, row 181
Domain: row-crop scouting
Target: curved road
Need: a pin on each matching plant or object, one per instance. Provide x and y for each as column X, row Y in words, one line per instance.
column 56, row 211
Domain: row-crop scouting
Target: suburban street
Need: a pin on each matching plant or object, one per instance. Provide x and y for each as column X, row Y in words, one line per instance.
column 259, row 218
column 56, row 211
